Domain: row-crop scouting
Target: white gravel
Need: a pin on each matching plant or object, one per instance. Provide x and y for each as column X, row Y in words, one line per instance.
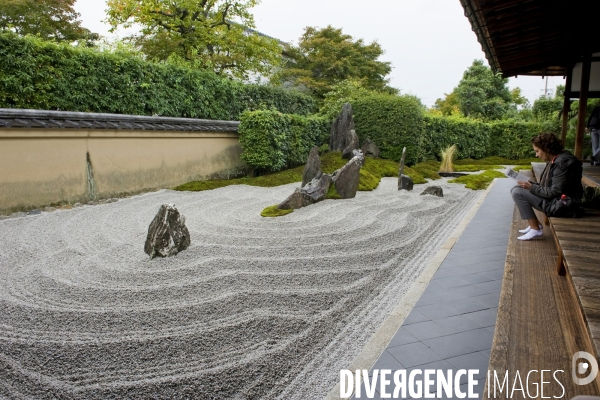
column 254, row 308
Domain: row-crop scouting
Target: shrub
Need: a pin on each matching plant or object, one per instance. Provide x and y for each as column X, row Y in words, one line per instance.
column 392, row 122
column 49, row 76
column 512, row 138
column 470, row 136
column 447, row 156
column 272, row 141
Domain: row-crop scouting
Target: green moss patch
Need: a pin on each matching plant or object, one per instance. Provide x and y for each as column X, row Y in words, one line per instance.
column 494, row 160
column 271, row 180
column 478, row 181
column 332, row 193
column 371, row 174
column 426, row 169
column 273, row 211
column 474, row 168
column 522, row 167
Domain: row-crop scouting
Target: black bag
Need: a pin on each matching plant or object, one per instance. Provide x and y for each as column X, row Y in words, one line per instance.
column 555, row 208
column 594, row 121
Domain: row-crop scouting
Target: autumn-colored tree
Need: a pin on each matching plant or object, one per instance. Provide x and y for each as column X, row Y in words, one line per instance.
column 325, row 57
column 210, row 34
column 48, row 19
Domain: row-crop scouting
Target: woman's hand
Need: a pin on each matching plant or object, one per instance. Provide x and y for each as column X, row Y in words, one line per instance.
column 525, row 185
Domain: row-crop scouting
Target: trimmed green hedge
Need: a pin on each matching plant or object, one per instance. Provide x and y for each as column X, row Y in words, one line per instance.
column 471, row 137
column 392, row 122
column 45, row 75
column 272, row 141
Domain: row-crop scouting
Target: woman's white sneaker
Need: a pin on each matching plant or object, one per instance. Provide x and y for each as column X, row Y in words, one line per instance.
column 532, row 234
column 528, row 229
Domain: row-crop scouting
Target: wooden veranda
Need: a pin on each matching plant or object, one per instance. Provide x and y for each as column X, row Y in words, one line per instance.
column 544, row 318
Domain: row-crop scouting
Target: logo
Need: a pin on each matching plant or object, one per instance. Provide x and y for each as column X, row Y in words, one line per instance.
column 582, row 367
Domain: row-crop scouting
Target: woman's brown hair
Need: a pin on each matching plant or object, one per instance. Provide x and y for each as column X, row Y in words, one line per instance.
column 548, row 143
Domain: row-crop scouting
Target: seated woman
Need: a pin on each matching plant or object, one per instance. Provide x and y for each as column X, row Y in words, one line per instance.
column 562, row 175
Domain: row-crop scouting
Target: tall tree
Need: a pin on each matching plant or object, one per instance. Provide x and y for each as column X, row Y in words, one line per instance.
column 325, row 57
column 211, row 34
column 483, row 94
column 49, row 19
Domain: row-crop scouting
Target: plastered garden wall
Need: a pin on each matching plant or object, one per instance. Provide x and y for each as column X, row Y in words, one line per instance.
column 39, row 167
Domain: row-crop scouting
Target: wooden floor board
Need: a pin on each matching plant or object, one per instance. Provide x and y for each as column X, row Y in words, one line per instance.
column 540, row 325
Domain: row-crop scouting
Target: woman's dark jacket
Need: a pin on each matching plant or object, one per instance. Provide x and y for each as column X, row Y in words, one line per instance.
column 563, row 176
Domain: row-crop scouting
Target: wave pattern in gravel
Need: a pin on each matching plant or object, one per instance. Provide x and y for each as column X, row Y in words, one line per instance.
column 254, row 308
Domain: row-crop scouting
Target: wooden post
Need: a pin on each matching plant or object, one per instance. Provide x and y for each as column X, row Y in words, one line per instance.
column 566, row 107
column 583, row 97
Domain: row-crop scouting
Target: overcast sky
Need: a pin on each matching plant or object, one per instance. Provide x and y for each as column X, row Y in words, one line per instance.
column 429, row 42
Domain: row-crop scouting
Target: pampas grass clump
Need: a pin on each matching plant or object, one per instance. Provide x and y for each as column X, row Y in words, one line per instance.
column 447, row 157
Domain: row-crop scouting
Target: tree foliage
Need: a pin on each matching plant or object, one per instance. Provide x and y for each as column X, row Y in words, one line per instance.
column 210, row 34
column 483, row 94
column 448, row 105
column 48, row 19
column 325, row 57
column 57, row 76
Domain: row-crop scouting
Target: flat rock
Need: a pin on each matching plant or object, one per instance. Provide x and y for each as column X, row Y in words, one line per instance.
column 167, row 233
column 405, row 182
column 34, row 212
column 49, row 209
column 77, row 205
column 352, row 145
column 313, row 192
column 434, row 190
column 312, row 167
column 340, row 129
column 346, row 178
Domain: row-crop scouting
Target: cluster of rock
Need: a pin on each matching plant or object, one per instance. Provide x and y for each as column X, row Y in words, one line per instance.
column 316, row 184
column 343, row 137
column 167, row 233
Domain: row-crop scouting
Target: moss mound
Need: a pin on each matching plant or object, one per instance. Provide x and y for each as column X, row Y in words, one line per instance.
column 371, row 174
column 474, row 168
column 522, row 167
column 273, row 211
column 494, row 160
column 426, row 169
column 478, row 181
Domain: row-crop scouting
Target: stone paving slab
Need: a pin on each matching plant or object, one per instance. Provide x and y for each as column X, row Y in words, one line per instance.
column 452, row 324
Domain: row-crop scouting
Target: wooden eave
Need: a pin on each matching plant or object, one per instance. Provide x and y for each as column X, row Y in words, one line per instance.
column 534, row 37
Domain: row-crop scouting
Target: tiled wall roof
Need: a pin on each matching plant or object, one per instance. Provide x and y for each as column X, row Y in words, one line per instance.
column 20, row 118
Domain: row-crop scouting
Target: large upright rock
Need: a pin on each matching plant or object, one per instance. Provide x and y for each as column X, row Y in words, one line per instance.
column 352, row 145
column 346, row 178
column 340, row 129
column 312, row 167
column 311, row 193
column 405, row 182
column 167, row 233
